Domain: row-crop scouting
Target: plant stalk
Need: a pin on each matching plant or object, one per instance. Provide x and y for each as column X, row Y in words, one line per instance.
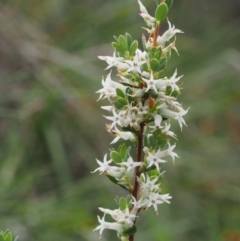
column 137, row 173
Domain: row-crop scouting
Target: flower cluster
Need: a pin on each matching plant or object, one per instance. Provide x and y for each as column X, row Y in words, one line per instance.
column 143, row 101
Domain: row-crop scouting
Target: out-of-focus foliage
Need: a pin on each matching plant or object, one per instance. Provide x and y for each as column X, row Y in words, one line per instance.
column 51, row 126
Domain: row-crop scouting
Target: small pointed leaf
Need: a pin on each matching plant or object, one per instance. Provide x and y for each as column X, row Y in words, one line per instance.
column 122, row 203
column 116, row 157
column 123, row 43
column 129, row 39
column 127, row 153
column 122, row 151
column 120, row 93
column 133, row 47
column 117, row 47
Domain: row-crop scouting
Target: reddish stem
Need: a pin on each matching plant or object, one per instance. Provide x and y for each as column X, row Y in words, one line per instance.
column 137, row 173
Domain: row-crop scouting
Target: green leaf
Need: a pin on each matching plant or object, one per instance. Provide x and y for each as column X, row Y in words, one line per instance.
column 153, row 142
column 157, row 55
column 116, row 157
column 117, row 47
column 133, row 47
column 120, row 93
column 154, row 64
column 161, row 12
column 122, row 101
column 154, row 173
column 169, row 91
column 162, row 63
column 157, row 133
column 169, row 3
column 129, row 39
column 8, row 237
column 2, row 237
column 112, row 179
column 131, row 230
column 115, row 37
column 128, row 199
column 123, row 43
column 118, row 105
column 122, row 150
column 122, row 203
column 127, row 153
column 144, row 67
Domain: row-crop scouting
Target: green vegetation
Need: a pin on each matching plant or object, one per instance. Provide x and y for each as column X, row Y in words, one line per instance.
column 51, row 127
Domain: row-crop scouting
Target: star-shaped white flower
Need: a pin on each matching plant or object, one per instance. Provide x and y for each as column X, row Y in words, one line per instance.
column 116, row 118
column 153, row 160
column 170, row 82
column 155, row 198
column 130, row 164
column 109, row 87
column 103, row 166
column 157, row 122
column 167, row 35
column 125, row 135
column 151, row 83
column 112, row 61
column 167, row 152
column 113, row 171
column 107, row 225
column 135, row 64
column 173, row 114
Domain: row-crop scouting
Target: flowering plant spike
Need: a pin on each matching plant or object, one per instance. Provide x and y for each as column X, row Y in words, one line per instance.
column 143, row 101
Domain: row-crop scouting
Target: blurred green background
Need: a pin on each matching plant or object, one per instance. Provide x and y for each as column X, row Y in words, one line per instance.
column 52, row 129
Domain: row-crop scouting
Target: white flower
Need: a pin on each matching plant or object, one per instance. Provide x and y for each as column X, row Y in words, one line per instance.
column 166, row 130
column 125, row 135
column 157, row 122
column 162, row 84
column 103, row 166
column 130, row 165
column 107, row 225
column 148, row 186
column 134, row 120
column 155, row 198
column 167, row 152
column 112, row 61
column 170, row 47
column 107, row 107
column 145, row 15
column 150, row 21
column 161, row 40
column 120, row 216
column 139, row 109
column 126, row 217
column 114, row 171
column 137, row 204
column 116, row 118
column 154, row 160
column 135, row 64
column 151, row 83
column 109, row 88
column 142, row 7
column 172, row 114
